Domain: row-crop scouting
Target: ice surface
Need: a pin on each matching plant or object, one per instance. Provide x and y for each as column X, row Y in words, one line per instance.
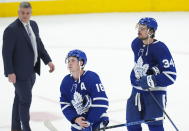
column 106, row 39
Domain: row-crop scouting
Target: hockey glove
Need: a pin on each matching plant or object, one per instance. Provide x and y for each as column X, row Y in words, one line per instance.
column 148, row 81
column 104, row 123
column 153, row 71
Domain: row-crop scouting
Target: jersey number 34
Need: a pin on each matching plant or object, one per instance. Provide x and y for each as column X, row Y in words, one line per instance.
column 168, row 63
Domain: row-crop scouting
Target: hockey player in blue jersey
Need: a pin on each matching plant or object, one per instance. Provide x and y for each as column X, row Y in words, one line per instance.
column 83, row 99
column 155, row 70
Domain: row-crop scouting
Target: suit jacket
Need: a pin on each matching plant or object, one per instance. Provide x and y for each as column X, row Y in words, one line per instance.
column 18, row 54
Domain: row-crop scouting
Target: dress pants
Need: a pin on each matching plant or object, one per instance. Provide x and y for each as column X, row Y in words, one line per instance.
column 22, row 102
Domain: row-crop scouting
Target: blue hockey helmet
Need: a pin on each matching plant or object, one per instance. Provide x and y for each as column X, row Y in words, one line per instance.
column 80, row 55
column 149, row 22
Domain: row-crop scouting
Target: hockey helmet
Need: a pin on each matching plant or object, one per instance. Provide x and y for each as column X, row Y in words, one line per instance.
column 149, row 22
column 80, row 55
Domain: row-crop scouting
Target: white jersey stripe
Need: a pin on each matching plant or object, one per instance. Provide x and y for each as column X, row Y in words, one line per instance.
column 166, row 74
column 151, row 89
column 66, row 103
column 170, row 72
column 95, row 105
column 100, row 98
column 63, row 108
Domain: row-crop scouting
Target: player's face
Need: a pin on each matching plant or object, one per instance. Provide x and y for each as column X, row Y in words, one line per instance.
column 24, row 14
column 73, row 64
column 142, row 32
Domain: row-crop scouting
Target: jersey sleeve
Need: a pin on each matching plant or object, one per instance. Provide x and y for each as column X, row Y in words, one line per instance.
column 66, row 107
column 135, row 47
column 100, row 102
column 166, row 66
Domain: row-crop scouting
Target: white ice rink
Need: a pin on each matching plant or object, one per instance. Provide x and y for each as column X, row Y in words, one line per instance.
column 106, row 39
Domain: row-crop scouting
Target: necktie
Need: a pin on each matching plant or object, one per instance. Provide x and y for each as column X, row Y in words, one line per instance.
column 33, row 42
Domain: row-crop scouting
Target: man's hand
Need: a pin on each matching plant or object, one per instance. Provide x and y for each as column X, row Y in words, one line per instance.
column 81, row 121
column 51, row 66
column 12, row 78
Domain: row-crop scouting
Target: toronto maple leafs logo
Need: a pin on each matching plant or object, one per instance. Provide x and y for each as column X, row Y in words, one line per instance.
column 140, row 69
column 78, row 102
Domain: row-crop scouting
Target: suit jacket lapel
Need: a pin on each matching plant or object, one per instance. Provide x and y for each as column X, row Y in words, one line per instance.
column 25, row 33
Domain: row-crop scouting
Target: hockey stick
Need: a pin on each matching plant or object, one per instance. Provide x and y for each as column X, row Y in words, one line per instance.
column 156, row 101
column 103, row 129
column 133, row 123
column 49, row 125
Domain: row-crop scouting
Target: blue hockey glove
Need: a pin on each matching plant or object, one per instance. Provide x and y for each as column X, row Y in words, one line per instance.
column 104, row 123
column 148, row 81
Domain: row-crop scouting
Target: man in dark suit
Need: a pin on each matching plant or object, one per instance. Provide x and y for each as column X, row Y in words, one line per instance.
column 22, row 51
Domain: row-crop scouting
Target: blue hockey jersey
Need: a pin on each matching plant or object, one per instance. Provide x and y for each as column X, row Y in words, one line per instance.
column 146, row 57
column 73, row 94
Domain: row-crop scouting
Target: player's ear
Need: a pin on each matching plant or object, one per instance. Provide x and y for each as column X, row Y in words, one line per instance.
column 81, row 63
column 151, row 32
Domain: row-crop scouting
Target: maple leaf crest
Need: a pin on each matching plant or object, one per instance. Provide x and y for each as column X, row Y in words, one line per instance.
column 140, row 69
